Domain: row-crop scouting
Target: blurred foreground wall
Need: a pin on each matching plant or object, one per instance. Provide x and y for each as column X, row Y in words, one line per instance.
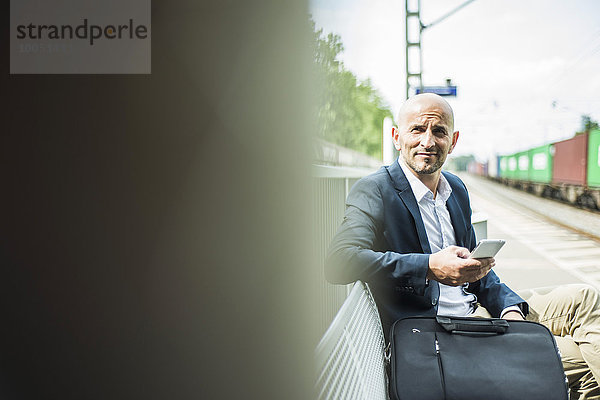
column 154, row 237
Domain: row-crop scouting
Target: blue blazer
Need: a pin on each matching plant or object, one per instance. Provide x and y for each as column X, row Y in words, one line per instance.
column 382, row 241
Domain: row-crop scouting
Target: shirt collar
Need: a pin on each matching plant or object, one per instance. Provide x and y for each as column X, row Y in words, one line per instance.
column 420, row 190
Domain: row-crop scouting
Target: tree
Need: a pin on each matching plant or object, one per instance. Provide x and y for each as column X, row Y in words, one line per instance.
column 588, row 124
column 350, row 112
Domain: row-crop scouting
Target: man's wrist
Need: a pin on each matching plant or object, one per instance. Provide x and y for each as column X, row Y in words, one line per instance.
column 512, row 308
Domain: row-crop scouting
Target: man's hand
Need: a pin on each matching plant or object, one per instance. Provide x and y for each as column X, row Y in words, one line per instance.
column 451, row 266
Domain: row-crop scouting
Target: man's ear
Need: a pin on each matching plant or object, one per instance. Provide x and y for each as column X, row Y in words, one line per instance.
column 455, row 136
column 396, row 137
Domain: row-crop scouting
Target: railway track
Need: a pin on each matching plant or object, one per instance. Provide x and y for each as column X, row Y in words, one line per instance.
column 553, row 243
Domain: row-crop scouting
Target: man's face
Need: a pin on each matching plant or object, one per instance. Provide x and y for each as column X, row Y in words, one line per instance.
column 425, row 136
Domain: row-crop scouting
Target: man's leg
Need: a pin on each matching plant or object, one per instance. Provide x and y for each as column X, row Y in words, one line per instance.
column 572, row 312
column 581, row 381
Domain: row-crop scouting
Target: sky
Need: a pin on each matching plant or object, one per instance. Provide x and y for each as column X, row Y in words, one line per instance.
column 526, row 70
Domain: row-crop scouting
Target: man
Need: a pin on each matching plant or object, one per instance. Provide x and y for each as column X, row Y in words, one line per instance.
column 407, row 232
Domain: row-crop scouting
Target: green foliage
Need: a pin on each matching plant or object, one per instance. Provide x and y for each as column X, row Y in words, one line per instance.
column 588, row 124
column 350, row 112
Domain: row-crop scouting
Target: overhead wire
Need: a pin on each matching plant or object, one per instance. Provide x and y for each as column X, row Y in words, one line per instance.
column 583, row 54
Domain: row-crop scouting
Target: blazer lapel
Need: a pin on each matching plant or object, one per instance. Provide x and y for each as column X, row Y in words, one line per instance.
column 458, row 220
column 406, row 194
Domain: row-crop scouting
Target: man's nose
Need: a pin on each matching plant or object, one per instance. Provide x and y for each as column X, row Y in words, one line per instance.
column 427, row 139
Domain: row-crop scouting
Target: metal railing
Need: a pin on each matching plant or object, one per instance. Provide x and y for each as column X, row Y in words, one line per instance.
column 330, row 188
column 326, row 153
column 350, row 356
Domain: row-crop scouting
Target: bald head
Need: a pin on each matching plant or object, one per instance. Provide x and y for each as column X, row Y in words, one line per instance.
column 425, row 136
column 424, row 101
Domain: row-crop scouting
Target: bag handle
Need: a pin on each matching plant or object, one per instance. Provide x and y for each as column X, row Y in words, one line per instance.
column 473, row 326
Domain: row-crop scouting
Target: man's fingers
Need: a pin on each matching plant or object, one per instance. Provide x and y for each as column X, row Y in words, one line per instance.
column 490, row 260
column 461, row 252
column 479, row 262
column 486, row 270
column 453, row 267
column 473, row 270
column 471, row 264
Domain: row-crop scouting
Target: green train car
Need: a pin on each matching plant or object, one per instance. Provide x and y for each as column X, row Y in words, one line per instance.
column 522, row 172
column 593, row 161
column 568, row 170
column 540, row 164
column 510, row 167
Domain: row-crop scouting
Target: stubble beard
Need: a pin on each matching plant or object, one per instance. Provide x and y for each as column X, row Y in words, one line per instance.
column 426, row 169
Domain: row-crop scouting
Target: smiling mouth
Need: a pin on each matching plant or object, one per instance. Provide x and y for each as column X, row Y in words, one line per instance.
column 426, row 154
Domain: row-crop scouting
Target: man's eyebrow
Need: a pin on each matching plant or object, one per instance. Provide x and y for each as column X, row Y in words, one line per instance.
column 437, row 126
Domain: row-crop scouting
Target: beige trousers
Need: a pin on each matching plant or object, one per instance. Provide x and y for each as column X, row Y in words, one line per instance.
column 572, row 313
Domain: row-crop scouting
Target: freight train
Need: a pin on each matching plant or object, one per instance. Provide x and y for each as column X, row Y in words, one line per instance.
column 568, row 170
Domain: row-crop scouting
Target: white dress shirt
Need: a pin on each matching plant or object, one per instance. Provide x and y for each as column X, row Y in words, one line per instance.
column 454, row 300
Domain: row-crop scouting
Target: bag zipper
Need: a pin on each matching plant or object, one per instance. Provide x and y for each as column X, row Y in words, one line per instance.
column 439, row 358
column 387, row 353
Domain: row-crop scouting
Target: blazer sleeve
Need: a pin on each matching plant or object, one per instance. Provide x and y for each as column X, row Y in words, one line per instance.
column 351, row 255
column 495, row 296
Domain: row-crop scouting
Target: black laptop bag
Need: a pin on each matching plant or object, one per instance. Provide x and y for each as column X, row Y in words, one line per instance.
column 461, row 358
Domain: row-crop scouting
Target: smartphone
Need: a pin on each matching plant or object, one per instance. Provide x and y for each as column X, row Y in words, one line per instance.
column 487, row 248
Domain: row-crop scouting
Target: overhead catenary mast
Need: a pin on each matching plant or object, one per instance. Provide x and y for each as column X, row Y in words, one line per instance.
column 414, row 25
